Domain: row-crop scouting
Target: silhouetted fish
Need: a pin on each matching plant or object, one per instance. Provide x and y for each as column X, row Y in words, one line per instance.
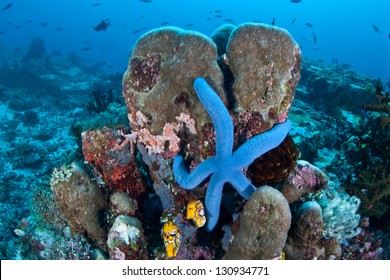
column 189, row 25
column 7, row 7
column 43, row 24
column 316, row 49
column 273, row 21
column 102, row 25
column 293, row 20
column 217, row 16
column 164, row 23
column 96, row 4
column 29, row 21
column 308, row 24
column 146, row 1
column 217, row 11
column 295, row 1
column 59, row 29
column 314, row 38
column 85, row 49
column 376, row 28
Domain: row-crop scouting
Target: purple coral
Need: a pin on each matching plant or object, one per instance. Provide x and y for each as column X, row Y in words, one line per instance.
column 304, row 176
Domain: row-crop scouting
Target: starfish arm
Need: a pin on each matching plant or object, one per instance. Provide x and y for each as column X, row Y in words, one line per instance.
column 222, row 122
column 260, row 144
column 191, row 180
column 213, row 200
column 242, row 185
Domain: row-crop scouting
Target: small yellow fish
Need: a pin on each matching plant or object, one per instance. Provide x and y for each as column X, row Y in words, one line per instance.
column 195, row 212
column 172, row 238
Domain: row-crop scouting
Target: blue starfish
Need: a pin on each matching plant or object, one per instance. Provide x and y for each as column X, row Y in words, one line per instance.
column 225, row 166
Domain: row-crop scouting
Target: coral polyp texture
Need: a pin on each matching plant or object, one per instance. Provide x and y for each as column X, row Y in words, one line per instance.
column 265, row 62
column 80, row 201
column 158, row 82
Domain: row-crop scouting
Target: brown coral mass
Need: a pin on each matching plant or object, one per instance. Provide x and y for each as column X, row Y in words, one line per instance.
column 159, row 80
column 265, row 61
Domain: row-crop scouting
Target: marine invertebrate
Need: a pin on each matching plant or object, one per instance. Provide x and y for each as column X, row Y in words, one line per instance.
column 195, row 212
column 306, row 238
column 225, row 166
column 172, row 238
column 339, row 211
column 80, row 200
column 265, row 62
column 275, row 165
column 126, row 239
column 264, row 224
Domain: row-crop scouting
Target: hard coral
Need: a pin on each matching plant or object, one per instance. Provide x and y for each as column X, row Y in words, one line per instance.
column 264, row 225
column 163, row 64
column 265, row 61
column 80, row 201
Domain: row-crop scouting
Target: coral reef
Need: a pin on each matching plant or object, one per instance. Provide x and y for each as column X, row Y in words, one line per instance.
column 140, row 191
column 264, row 224
column 306, row 240
column 126, row 239
column 110, row 152
column 80, row 201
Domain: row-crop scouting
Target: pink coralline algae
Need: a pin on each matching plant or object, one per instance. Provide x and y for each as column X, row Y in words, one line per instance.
column 304, row 179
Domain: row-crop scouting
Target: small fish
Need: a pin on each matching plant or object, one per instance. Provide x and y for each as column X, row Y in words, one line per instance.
column 273, row 21
column 59, row 29
column 2, row 32
column 314, row 38
column 43, row 24
column 228, row 20
column 389, row 35
column 295, row 1
column 146, row 1
column 7, row 7
column 316, row 49
column 29, row 21
column 293, row 20
column 20, row 232
column 96, row 4
column 102, row 26
column 217, row 11
column 85, row 49
column 18, row 26
column 137, row 30
column 164, row 23
column 217, row 16
column 308, row 24
column 376, row 28
column 189, row 25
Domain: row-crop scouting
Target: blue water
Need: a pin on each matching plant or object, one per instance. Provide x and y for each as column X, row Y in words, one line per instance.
column 344, row 29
